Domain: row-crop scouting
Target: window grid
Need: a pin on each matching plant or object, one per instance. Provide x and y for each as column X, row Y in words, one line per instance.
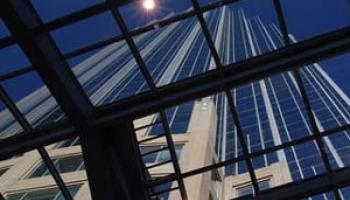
column 62, row 165
column 198, row 11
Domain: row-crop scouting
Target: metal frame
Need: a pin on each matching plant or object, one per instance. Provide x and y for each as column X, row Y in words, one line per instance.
column 85, row 120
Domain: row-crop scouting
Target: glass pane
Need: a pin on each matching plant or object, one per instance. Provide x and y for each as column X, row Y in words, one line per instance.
column 310, row 18
column 338, row 149
column 3, row 171
column 304, row 161
column 206, row 2
column 327, row 87
column 8, row 124
column 324, row 196
column 81, row 59
column 86, row 32
column 63, row 165
column 175, row 52
column 165, row 155
column 151, row 158
column 111, row 74
column 49, row 10
column 136, row 15
column 247, row 190
column 69, row 142
column 264, row 185
column 15, row 196
column 69, row 164
column 43, row 194
column 39, row 171
column 4, row 32
column 72, row 190
column 244, row 29
column 33, row 99
column 178, row 118
column 12, row 58
column 165, row 195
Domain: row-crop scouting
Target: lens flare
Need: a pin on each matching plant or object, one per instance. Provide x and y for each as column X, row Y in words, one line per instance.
column 148, row 4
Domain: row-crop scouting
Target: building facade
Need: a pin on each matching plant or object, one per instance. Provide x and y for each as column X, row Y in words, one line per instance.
column 270, row 112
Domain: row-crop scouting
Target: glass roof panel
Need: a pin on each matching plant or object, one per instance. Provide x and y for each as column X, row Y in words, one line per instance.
column 338, row 149
column 11, row 59
column 206, row 2
column 3, row 29
column 8, row 124
column 310, row 18
column 69, row 162
column 33, row 99
column 110, row 75
column 327, row 88
column 175, row 52
column 49, row 10
column 97, row 28
column 135, row 15
column 248, row 28
column 301, row 162
column 76, row 60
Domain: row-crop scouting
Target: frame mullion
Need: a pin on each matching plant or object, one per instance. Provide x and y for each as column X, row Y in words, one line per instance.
column 281, row 21
column 172, row 151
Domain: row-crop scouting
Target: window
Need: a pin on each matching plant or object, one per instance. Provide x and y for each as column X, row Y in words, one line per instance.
column 247, row 190
column 3, row 170
column 70, row 142
column 44, row 194
column 179, row 118
column 63, row 165
column 158, row 156
column 160, row 188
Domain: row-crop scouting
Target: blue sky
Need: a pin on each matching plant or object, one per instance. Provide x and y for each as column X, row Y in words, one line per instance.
column 305, row 19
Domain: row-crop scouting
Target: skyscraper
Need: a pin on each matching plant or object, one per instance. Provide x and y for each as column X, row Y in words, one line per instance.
column 270, row 110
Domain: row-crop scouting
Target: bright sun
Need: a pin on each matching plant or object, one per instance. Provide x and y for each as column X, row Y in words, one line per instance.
column 148, row 4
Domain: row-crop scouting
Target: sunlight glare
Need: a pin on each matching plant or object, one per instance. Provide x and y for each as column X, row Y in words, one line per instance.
column 148, row 4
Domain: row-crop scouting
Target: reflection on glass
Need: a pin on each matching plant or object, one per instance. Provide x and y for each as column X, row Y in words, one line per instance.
column 43, row 194
column 159, row 156
column 63, row 165
column 248, row 189
column 33, row 99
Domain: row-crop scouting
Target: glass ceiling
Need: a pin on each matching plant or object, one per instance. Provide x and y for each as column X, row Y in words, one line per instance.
column 122, row 54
